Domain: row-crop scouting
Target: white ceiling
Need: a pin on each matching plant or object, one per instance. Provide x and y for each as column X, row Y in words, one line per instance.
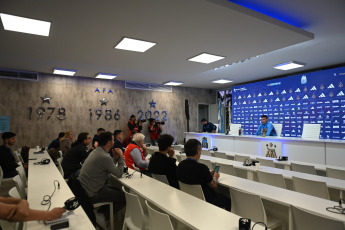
column 83, row 35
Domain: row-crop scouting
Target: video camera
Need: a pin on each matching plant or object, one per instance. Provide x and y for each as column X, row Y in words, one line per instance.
column 157, row 122
column 142, row 120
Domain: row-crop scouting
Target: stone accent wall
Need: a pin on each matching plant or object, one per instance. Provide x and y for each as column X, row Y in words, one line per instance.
column 77, row 95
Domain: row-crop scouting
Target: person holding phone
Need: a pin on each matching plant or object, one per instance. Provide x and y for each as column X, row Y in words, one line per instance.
column 190, row 171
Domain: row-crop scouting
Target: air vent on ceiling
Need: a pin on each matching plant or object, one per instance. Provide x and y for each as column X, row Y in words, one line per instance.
column 147, row 86
column 19, row 75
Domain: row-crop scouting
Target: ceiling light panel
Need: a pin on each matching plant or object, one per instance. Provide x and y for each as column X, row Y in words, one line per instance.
column 173, row 83
column 206, row 58
column 106, row 76
column 134, row 45
column 289, row 65
column 222, row 81
column 68, row 72
column 25, row 25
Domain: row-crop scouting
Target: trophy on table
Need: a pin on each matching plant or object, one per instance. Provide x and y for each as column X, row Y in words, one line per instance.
column 271, row 150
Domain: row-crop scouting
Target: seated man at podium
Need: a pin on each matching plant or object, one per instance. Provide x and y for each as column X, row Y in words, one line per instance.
column 208, row 127
column 265, row 128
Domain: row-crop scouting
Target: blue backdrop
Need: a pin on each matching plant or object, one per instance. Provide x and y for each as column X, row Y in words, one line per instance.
column 316, row 97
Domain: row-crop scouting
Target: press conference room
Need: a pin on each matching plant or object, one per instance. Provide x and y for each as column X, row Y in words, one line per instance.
column 258, row 84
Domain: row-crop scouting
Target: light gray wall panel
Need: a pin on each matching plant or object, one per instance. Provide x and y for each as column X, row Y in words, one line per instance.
column 77, row 95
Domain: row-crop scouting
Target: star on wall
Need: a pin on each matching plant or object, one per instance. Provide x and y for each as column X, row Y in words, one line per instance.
column 46, row 99
column 103, row 101
column 152, row 104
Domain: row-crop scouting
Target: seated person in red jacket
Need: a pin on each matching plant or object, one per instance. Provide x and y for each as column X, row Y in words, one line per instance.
column 163, row 161
column 7, row 161
column 135, row 154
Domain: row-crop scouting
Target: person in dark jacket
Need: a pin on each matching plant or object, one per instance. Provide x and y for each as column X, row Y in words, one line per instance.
column 163, row 161
column 7, row 161
column 74, row 158
column 208, row 127
column 56, row 142
column 96, row 137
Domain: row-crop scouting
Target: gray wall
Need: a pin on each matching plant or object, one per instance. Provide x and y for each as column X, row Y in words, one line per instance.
column 77, row 95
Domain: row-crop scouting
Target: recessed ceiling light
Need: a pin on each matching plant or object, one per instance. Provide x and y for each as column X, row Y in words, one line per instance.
column 206, row 58
column 134, row 45
column 106, row 76
column 25, row 25
column 173, row 83
column 68, row 72
column 289, row 65
column 221, row 81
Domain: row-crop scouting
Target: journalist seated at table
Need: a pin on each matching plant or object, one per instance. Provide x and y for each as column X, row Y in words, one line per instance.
column 135, row 154
column 96, row 171
column 265, row 128
column 190, row 171
column 7, row 161
column 76, row 156
column 163, row 161
column 208, row 127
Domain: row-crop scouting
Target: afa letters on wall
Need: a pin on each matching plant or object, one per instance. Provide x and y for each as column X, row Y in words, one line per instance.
column 316, row 97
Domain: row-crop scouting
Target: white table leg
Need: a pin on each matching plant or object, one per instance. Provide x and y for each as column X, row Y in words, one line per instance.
column 290, row 219
column 250, row 175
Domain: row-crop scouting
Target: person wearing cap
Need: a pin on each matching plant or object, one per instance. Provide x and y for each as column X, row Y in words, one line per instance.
column 208, row 127
column 7, row 161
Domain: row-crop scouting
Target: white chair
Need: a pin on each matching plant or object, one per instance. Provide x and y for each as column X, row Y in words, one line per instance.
column 311, row 131
column 271, row 179
column 15, row 154
column 21, row 172
column 179, row 158
column 207, row 163
column 217, row 125
column 266, row 162
column 192, row 189
column 158, row 220
column 4, row 180
column 278, row 128
column 241, row 158
column 206, row 153
column 20, row 186
column 135, row 219
column 14, row 193
column 310, row 187
column 161, row 178
column 250, row 206
column 335, row 173
column 226, row 169
column 219, row 155
column 304, row 220
column 111, row 210
column 310, row 169
column 59, row 166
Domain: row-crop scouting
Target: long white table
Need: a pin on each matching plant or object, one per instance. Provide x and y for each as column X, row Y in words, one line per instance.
column 283, row 197
column 40, row 183
column 321, row 151
column 191, row 211
column 331, row 182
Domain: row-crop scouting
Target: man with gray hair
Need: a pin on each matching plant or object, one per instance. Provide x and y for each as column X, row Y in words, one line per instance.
column 135, row 154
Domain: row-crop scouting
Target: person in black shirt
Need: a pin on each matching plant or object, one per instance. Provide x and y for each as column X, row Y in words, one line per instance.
column 161, row 164
column 55, row 144
column 190, row 171
column 118, row 136
column 208, row 127
column 96, row 138
column 7, row 160
column 73, row 159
